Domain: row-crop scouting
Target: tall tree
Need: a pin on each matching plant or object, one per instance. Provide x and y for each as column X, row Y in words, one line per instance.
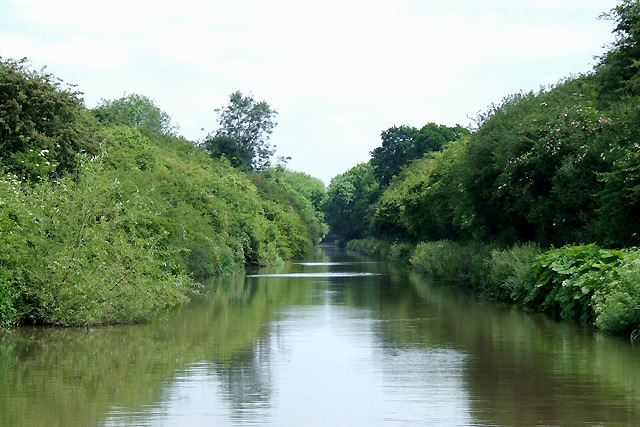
column 134, row 110
column 245, row 125
column 388, row 159
column 618, row 72
column 239, row 156
column 348, row 201
column 402, row 144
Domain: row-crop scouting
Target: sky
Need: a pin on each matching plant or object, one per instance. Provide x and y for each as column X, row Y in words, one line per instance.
column 338, row 72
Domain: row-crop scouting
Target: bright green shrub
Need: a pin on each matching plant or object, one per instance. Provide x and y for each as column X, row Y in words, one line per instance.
column 432, row 205
column 43, row 123
column 617, row 304
column 77, row 256
column 389, row 220
column 10, row 310
column 435, row 258
column 564, row 280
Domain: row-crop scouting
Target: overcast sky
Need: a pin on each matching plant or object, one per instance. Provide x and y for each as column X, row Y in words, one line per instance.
column 338, row 71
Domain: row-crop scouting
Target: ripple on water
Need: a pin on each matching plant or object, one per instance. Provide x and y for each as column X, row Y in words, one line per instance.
column 316, row 275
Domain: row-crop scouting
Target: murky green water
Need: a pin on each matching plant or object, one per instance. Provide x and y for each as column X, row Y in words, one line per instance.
column 333, row 341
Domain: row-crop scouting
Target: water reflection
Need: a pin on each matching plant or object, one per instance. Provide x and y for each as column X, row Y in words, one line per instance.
column 315, row 275
column 321, row 343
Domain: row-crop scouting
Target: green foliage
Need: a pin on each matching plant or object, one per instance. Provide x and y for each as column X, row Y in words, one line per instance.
column 217, row 219
column 248, row 124
column 125, row 234
column 77, row 258
column 434, row 206
column 43, row 123
column 349, row 198
column 618, row 197
column 618, row 74
column 239, row 156
column 421, row 203
column 564, row 281
column 136, row 111
column 508, row 269
column 449, row 260
column 10, row 300
column 542, row 167
column 552, row 182
column 302, row 192
column 369, row 246
column 389, row 220
column 617, row 304
column 119, row 240
column 401, row 253
column 295, row 225
column 302, row 183
column 402, row 144
column 388, row 159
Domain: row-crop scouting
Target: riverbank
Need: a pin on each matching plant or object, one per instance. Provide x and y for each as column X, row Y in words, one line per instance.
column 584, row 283
column 334, row 339
column 108, row 217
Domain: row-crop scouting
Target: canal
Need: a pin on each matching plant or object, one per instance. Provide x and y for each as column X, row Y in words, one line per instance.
column 335, row 340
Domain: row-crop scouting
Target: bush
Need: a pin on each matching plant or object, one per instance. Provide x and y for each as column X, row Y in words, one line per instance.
column 508, row 269
column 10, row 310
column 617, row 304
column 401, row 253
column 563, row 281
column 449, row 260
column 369, row 246
column 43, row 124
column 78, row 257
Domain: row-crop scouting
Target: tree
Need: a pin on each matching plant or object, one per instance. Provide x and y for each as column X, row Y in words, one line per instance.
column 618, row 72
column 432, row 137
column 239, row 156
column 245, row 125
column 401, row 145
column 388, row 159
column 134, row 110
column 43, row 123
column 349, row 200
column 309, row 187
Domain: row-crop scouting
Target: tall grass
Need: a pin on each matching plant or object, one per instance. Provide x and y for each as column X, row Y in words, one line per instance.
column 464, row 263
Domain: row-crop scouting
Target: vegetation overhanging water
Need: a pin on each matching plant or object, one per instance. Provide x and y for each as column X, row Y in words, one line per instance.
column 288, row 346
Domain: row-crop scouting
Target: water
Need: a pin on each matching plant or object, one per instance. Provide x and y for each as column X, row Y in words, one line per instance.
column 336, row 340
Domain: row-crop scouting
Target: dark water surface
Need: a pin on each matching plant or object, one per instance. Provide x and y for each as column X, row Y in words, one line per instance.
column 336, row 340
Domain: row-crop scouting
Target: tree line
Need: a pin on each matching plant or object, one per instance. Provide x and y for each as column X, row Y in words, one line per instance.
column 554, row 167
column 107, row 215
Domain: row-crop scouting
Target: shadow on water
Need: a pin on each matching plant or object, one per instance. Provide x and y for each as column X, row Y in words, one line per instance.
column 317, row 342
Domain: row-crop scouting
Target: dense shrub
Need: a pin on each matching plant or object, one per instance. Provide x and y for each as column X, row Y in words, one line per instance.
column 454, row 261
column 507, row 270
column 75, row 257
column 349, row 199
column 401, row 253
column 370, row 246
column 43, row 123
column 564, row 281
column 617, row 304
column 112, row 232
column 559, row 167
